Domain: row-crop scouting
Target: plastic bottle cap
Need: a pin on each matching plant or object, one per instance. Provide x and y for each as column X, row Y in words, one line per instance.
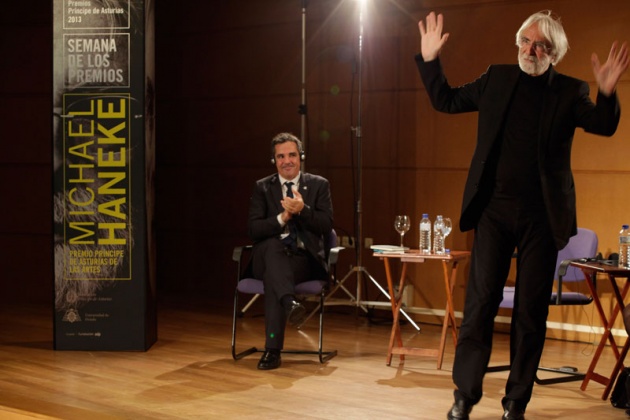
column 624, row 226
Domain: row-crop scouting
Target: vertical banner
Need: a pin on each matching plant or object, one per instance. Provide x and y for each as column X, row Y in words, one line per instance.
column 104, row 163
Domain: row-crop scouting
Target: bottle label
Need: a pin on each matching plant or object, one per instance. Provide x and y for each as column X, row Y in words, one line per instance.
column 624, row 239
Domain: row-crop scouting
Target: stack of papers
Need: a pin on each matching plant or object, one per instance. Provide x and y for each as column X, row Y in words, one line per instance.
column 388, row 249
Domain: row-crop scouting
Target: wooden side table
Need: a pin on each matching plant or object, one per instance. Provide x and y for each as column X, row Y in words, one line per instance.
column 612, row 273
column 450, row 263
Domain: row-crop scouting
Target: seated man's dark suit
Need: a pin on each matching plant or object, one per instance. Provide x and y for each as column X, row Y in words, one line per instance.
column 279, row 266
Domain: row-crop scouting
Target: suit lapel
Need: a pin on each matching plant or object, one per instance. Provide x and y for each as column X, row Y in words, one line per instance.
column 506, row 98
column 304, row 187
column 500, row 97
column 276, row 189
column 276, row 192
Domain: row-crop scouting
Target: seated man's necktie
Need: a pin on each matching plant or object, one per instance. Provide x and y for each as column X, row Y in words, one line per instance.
column 291, row 239
column 289, row 186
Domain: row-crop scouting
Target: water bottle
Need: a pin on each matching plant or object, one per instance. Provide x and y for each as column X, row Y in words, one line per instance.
column 438, row 236
column 425, row 234
column 624, row 247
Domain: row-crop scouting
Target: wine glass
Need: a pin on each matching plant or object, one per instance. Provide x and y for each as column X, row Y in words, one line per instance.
column 402, row 225
column 448, row 226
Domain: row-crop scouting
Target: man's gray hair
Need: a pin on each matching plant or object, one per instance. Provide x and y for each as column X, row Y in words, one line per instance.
column 551, row 27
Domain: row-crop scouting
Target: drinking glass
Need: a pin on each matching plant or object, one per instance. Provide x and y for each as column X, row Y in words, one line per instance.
column 448, row 226
column 402, row 224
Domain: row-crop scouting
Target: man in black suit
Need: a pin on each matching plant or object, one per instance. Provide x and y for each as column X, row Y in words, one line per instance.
column 519, row 193
column 290, row 215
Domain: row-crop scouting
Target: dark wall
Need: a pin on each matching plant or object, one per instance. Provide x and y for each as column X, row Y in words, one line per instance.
column 229, row 77
column 25, row 152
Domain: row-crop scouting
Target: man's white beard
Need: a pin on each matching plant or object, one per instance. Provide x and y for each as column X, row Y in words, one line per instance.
column 532, row 65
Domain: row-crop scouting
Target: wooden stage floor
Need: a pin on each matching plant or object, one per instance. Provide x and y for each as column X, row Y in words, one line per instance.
column 189, row 373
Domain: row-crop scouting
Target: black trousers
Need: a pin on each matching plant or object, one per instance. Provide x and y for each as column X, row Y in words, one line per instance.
column 280, row 270
column 504, row 226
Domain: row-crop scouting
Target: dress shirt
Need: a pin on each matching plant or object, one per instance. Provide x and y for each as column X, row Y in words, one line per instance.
column 296, row 184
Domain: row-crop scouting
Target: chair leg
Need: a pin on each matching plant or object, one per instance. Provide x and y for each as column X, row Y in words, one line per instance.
column 323, row 356
column 249, row 304
column 247, row 352
column 501, row 368
column 572, row 375
column 338, row 285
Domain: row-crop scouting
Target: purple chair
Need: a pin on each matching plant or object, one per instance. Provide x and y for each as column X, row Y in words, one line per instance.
column 582, row 246
column 312, row 288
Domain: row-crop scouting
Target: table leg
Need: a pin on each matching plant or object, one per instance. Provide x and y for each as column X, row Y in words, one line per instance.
column 619, row 305
column 449, row 313
column 590, row 373
column 616, row 369
column 607, row 336
column 619, row 295
column 396, row 302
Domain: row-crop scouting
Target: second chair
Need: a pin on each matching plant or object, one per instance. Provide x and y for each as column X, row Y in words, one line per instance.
column 314, row 288
column 581, row 246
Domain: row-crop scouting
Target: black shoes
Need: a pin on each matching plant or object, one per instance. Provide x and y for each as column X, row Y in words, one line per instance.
column 270, row 360
column 296, row 312
column 512, row 410
column 459, row 411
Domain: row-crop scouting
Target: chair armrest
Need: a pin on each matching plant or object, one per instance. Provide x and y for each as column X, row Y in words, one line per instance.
column 562, row 271
column 237, row 254
column 562, row 268
column 333, row 258
column 333, row 255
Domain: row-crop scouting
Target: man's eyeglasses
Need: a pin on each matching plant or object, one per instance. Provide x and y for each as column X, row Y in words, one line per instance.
column 539, row 46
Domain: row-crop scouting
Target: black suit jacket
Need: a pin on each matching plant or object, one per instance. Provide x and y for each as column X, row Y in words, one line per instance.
column 314, row 223
column 566, row 105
